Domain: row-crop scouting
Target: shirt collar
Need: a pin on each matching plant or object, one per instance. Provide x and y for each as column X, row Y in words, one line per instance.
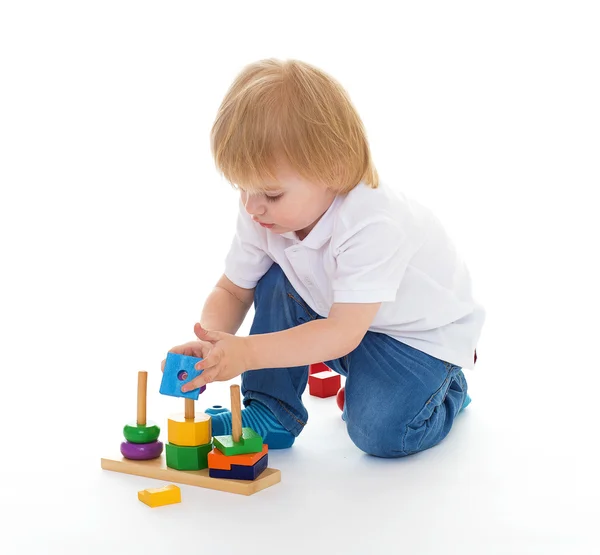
column 322, row 232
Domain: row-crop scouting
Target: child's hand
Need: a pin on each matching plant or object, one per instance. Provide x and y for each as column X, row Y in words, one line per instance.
column 199, row 349
column 223, row 360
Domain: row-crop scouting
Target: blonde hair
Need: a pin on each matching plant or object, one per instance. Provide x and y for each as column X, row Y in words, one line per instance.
column 293, row 111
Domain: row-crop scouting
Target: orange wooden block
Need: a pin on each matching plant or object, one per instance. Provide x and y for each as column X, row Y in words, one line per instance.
column 219, row 461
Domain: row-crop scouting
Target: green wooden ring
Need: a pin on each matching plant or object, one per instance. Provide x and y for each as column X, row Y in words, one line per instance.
column 135, row 433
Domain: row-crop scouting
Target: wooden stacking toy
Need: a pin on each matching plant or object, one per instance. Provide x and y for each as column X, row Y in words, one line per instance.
column 242, row 455
column 141, row 437
column 236, row 463
column 190, row 439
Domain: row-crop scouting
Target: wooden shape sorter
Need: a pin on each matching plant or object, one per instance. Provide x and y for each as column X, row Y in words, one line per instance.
column 157, row 468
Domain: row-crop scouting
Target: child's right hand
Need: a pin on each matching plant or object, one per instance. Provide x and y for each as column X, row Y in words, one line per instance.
column 199, row 349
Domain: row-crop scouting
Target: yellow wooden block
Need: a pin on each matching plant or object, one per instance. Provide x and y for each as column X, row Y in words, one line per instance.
column 189, row 432
column 157, row 497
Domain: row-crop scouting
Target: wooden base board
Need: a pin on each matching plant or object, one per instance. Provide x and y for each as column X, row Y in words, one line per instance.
column 158, row 469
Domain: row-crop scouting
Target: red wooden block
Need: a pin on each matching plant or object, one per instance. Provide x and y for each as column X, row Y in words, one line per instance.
column 324, row 384
column 317, row 367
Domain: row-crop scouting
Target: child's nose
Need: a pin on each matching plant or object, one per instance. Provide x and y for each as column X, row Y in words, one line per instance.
column 253, row 206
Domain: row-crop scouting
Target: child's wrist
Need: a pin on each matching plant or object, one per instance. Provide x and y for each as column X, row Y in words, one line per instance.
column 250, row 355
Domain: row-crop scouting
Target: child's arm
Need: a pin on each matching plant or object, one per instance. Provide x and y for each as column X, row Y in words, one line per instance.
column 317, row 341
column 226, row 306
column 224, row 311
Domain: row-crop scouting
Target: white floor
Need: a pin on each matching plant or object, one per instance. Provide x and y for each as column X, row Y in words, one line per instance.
column 114, row 226
column 492, row 487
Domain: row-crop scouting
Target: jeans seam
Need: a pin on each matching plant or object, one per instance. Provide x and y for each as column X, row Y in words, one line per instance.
column 449, row 366
column 431, row 397
column 346, row 363
column 291, row 414
column 303, row 306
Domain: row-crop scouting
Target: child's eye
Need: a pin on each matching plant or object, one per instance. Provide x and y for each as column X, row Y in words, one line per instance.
column 273, row 198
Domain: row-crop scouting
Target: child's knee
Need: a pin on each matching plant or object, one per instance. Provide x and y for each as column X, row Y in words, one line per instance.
column 273, row 275
column 373, row 443
column 392, row 440
column 373, row 423
column 396, row 433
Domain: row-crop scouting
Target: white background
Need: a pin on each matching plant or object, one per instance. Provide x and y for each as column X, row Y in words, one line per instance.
column 114, row 225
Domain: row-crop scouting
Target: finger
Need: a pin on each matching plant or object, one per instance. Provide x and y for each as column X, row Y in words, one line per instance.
column 196, row 383
column 190, row 349
column 203, row 348
column 162, row 365
column 207, row 348
column 204, row 378
column 213, row 358
column 205, row 335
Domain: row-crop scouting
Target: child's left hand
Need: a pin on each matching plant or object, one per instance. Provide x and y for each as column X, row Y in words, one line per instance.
column 226, row 360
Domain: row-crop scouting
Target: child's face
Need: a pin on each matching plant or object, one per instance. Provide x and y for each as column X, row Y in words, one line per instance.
column 291, row 204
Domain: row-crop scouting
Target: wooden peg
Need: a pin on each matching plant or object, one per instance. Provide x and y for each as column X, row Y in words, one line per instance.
column 141, row 397
column 236, row 414
column 189, row 409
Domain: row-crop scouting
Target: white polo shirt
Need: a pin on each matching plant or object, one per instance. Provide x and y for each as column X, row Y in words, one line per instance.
column 373, row 245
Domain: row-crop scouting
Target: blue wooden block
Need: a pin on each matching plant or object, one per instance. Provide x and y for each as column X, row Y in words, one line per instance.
column 215, row 409
column 239, row 472
column 179, row 370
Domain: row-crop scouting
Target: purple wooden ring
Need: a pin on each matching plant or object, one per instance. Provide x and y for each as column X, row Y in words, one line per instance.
column 141, row 451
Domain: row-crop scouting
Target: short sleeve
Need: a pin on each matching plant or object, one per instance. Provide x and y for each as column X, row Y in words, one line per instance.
column 371, row 261
column 247, row 260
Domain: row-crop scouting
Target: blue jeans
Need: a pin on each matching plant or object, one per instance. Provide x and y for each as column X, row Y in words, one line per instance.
column 398, row 399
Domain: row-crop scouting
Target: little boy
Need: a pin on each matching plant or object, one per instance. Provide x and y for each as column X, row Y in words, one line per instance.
column 340, row 269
